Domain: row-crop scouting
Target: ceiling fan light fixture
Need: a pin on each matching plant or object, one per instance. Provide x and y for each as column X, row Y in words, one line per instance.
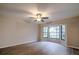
column 38, row 17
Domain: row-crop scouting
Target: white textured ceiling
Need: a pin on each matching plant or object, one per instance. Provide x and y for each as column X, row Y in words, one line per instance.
column 54, row 11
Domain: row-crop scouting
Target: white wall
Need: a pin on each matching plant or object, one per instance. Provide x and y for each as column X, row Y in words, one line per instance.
column 15, row 32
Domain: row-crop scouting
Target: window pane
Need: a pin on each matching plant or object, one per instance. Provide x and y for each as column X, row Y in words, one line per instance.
column 57, row 33
column 45, row 31
column 63, row 28
column 63, row 32
column 52, row 29
column 54, row 32
column 44, row 34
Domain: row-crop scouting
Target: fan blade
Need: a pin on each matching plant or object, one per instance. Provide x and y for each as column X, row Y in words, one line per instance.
column 35, row 20
column 28, row 19
column 31, row 18
column 42, row 20
column 44, row 17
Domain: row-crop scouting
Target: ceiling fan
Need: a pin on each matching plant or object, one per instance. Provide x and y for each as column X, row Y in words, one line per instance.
column 39, row 18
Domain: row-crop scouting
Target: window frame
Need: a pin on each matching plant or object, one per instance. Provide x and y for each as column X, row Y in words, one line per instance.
column 60, row 32
column 45, row 32
column 55, row 32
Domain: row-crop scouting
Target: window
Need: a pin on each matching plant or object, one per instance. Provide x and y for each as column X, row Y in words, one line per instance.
column 54, row 31
column 63, row 32
column 45, row 31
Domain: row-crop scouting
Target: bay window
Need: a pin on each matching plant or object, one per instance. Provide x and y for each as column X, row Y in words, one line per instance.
column 54, row 32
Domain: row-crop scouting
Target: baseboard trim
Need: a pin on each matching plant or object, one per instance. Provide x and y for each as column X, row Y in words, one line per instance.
column 17, row 44
column 73, row 47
